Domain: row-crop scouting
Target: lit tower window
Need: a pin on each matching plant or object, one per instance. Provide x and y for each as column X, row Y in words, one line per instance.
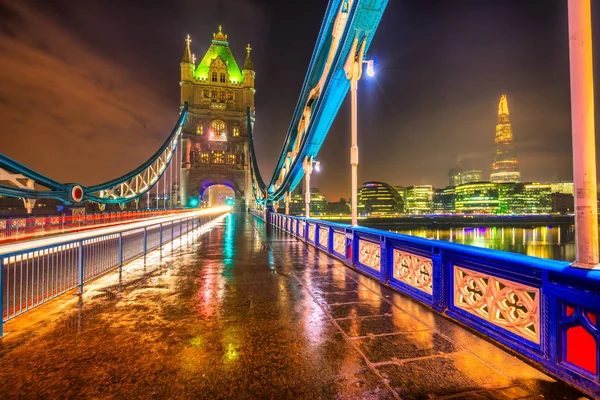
column 236, row 131
column 217, row 131
column 199, row 130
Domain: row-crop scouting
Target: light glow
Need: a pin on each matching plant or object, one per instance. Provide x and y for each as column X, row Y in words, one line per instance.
column 370, row 68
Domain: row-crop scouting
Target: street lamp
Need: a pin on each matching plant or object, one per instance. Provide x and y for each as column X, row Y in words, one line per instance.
column 353, row 69
column 308, row 165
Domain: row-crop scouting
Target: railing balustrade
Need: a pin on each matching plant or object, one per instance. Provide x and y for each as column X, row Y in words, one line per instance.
column 38, row 271
column 545, row 310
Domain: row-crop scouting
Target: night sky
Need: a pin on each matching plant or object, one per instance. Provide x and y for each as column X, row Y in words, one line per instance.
column 90, row 89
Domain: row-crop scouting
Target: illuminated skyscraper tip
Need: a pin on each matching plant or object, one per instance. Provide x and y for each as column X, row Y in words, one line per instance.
column 505, row 167
column 503, row 106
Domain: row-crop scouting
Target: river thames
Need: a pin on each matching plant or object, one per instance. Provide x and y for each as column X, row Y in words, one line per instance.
column 553, row 242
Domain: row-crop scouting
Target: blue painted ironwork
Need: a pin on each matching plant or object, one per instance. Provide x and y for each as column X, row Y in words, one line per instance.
column 36, row 274
column 556, row 285
column 116, row 191
column 322, row 94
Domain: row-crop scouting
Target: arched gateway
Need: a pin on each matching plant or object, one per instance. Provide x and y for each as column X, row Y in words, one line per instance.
column 215, row 135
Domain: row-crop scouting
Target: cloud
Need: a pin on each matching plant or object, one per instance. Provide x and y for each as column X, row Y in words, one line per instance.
column 67, row 110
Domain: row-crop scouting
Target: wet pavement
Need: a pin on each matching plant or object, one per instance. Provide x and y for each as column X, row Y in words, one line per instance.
column 238, row 313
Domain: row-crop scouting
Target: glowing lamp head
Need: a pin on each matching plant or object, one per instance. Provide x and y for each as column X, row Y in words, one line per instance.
column 230, row 201
column 318, row 166
column 193, row 202
column 371, row 68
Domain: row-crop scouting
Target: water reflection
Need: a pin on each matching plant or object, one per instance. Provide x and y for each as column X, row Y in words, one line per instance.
column 553, row 242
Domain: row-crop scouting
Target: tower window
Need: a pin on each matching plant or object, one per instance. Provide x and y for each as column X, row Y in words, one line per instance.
column 230, row 95
column 236, row 131
column 214, row 76
column 218, row 157
column 218, row 127
column 214, row 94
column 222, row 95
column 200, row 130
column 206, row 94
column 204, row 158
column 230, row 158
column 223, row 78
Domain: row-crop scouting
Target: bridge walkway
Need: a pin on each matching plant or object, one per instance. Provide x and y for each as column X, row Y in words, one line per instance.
column 243, row 313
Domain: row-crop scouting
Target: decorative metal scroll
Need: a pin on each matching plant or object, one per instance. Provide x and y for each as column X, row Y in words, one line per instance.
column 369, row 254
column 509, row 305
column 339, row 243
column 311, row 232
column 414, row 270
column 323, row 236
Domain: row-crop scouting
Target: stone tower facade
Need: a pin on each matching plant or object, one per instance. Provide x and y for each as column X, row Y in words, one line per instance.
column 215, row 134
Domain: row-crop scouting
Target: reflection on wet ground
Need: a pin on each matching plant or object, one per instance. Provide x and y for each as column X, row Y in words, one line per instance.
column 244, row 314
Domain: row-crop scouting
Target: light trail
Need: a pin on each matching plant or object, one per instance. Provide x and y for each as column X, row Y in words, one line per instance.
column 37, row 244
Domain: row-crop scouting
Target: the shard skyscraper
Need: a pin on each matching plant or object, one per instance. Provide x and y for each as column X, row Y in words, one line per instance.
column 505, row 167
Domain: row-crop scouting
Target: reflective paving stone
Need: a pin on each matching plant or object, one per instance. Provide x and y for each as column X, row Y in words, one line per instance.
column 441, row 375
column 360, row 309
column 398, row 322
column 404, row 346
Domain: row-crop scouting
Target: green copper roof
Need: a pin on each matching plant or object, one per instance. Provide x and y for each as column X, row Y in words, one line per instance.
column 219, row 49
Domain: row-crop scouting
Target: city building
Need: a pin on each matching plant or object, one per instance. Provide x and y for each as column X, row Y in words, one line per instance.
column 563, row 187
column 471, row 176
column 318, row 202
column 341, row 207
column 477, row 198
column 443, row 200
column 505, row 167
column 215, row 135
column 563, row 203
column 378, row 198
column 525, row 198
column 455, row 175
column 419, row 199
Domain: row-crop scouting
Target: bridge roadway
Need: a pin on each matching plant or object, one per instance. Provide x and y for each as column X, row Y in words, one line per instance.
column 241, row 313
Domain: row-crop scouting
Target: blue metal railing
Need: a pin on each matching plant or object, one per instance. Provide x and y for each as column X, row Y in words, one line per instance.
column 35, row 272
column 545, row 310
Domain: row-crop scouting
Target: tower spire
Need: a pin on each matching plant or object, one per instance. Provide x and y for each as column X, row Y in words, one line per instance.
column 503, row 106
column 187, row 53
column 248, row 65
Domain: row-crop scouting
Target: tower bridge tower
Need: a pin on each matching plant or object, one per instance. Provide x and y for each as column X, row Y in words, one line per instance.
column 215, row 135
column 505, row 167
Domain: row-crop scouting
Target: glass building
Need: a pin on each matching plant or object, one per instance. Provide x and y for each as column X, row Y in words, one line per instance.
column 378, row 198
column 443, row 200
column 505, row 167
column 419, row 199
column 477, row 198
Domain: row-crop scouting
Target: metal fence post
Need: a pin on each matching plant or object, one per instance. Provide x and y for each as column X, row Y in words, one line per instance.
column 145, row 243
column 80, row 266
column 120, row 255
column 160, row 237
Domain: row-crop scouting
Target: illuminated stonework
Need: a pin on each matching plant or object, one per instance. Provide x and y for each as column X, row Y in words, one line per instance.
column 509, row 305
column 339, row 243
column 369, row 254
column 505, row 167
column 416, row 271
column 323, row 236
column 311, row 232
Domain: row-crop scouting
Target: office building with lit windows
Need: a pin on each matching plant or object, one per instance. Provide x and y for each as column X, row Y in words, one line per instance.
column 419, row 199
column 505, row 167
column 443, row 200
column 477, row 198
column 378, row 198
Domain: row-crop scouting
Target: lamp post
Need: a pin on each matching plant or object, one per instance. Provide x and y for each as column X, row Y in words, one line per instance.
column 286, row 199
column 353, row 69
column 307, row 165
column 582, row 122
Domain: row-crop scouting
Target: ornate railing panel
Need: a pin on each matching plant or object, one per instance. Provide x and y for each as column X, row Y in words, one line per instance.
column 339, row 243
column 509, row 305
column 414, row 270
column 323, row 237
column 311, row 232
column 369, row 254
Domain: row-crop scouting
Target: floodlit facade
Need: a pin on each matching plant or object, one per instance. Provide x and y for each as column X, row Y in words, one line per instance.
column 525, row 198
column 471, row 176
column 419, row 199
column 505, row 167
column 215, row 134
column 378, row 198
column 477, row 198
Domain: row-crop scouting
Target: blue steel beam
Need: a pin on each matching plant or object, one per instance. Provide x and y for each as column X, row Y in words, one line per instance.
column 324, row 89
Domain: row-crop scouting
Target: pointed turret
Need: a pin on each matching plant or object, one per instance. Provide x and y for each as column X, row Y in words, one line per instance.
column 248, row 65
column 187, row 54
column 187, row 62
